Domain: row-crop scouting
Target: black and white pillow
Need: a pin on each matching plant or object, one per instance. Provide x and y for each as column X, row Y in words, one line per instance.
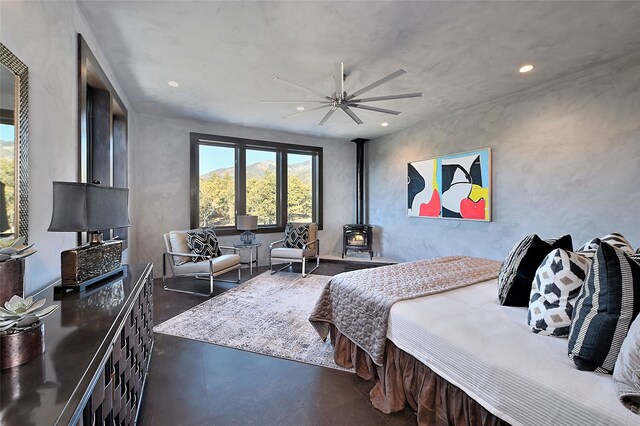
column 555, row 289
column 589, row 248
column 519, row 267
column 614, row 239
column 607, row 305
column 204, row 243
column 296, row 236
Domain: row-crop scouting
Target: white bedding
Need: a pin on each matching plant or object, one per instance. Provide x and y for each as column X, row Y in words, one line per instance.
column 488, row 351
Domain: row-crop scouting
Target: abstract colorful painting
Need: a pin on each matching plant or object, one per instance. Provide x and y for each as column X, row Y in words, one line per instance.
column 456, row 186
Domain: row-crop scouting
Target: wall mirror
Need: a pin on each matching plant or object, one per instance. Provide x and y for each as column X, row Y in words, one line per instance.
column 14, row 134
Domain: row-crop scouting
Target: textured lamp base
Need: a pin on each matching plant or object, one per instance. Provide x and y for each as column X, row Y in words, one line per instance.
column 88, row 262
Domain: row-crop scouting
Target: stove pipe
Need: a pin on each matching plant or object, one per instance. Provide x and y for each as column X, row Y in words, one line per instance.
column 360, row 180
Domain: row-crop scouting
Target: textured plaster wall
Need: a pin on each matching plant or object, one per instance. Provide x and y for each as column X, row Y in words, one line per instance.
column 43, row 36
column 161, row 174
column 566, row 159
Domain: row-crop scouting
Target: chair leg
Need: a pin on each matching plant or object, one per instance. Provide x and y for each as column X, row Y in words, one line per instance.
column 281, row 269
column 209, row 277
column 195, row 293
column 304, row 261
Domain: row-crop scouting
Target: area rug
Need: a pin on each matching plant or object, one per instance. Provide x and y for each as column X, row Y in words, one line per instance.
column 268, row 314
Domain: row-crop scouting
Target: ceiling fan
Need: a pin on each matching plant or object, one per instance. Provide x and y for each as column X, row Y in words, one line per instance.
column 341, row 100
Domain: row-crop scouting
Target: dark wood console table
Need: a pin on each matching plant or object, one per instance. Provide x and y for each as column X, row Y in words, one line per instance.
column 97, row 350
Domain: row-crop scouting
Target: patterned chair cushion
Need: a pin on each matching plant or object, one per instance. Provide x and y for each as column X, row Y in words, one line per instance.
column 519, row 268
column 614, row 239
column 556, row 286
column 606, row 307
column 203, row 242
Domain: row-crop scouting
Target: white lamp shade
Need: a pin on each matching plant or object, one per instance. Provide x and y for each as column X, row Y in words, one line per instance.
column 246, row 222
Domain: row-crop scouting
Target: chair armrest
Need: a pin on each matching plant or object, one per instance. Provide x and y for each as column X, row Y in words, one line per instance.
column 173, row 253
column 235, row 250
column 316, row 242
column 275, row 242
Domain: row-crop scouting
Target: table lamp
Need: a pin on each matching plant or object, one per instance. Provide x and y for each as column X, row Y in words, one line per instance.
column 85, row 207
column 247, row 223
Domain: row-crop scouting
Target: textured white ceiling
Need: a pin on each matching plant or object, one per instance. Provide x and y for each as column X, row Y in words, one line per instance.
column 225, row 54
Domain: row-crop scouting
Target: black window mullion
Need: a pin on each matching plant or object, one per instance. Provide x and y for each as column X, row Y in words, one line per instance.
column 316, row 188
column 283, row 194
column 241, row 179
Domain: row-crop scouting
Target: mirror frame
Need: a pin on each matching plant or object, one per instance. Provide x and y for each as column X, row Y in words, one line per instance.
column 21, row 71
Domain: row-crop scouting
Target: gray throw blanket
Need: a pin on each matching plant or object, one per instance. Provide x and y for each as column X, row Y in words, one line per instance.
column 358, row 303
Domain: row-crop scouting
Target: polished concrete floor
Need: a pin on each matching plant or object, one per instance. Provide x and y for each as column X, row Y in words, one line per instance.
column 196, row 383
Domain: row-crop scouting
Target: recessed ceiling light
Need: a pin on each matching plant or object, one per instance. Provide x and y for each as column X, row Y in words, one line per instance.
column 300, row 108
column 526, row 68
column 385, row 124
column 173, row 83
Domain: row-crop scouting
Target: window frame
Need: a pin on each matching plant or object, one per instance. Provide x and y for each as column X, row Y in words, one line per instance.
column 241, row 145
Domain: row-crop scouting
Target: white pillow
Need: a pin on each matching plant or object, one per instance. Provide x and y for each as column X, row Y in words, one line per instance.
column 555, row 289
column 179, row 244
column 626, row 373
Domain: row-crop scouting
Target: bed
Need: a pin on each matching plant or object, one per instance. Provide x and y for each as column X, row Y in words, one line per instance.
column 458, row 357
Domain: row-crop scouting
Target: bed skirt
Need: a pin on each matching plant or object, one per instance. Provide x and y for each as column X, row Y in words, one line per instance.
column 404, row 380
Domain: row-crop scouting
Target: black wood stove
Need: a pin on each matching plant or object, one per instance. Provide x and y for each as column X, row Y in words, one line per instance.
column 358, row 236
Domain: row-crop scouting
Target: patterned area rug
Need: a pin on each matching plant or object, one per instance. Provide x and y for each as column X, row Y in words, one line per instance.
column 268, row 314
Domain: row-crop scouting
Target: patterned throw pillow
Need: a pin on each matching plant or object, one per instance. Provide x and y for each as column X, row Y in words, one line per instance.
column 519, row 268
column 203, row 242
column 296, row 235
column 555, row 289
column 614, row 239
column 607, row 305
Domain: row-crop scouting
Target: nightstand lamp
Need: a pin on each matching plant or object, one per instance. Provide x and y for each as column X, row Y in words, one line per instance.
column 247, row 223
column 85, row 207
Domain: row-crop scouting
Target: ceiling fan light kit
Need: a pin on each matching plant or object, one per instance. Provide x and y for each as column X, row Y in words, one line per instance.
column 341, row 100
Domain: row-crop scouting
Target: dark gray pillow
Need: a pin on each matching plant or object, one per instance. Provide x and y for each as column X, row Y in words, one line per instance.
column 626, row 374
column 607, row 305
column 519, row 268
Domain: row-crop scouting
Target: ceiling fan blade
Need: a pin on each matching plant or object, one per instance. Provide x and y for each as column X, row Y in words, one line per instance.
column 388, row 98
column 306, row 110
column 326, row 117
column 351, row 114
column 302, row 87
column 274, row 101
column 377, row 83
column 370, row 108
column 338, row 79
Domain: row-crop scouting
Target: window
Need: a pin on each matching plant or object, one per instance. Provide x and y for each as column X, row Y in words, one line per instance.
column 300, row 188
column 262, row 186
column 217, row 186
column 277, row 182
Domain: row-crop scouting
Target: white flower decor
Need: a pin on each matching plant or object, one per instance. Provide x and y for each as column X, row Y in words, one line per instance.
column 15, row 249
column 20, row 314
